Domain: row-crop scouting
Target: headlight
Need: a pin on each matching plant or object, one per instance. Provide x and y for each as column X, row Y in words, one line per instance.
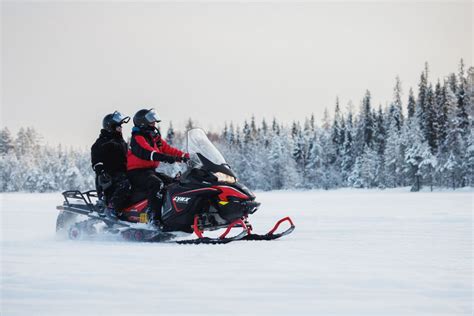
column 222, row 177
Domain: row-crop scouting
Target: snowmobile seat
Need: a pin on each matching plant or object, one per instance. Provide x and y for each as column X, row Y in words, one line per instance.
column 137, row 196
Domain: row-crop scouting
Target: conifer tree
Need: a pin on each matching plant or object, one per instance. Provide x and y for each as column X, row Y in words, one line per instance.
column 170, row 134
column 453, row 165
column 189, row 125
column 421, row 101
column 463, row 101
column 441, row 111
column 315, row 163
column 417, row 156
column 395, row 109
column 6, row 141
column 429, row 118
column 348, row 158
column 411, row 104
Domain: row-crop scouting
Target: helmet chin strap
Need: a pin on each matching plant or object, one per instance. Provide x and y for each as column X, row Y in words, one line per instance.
column 153, row 129
column 156, row 131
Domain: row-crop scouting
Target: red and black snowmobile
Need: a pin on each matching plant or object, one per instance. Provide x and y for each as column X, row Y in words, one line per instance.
column 205, row 197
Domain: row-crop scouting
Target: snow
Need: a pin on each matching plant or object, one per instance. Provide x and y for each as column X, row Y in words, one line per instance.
column 354, row 252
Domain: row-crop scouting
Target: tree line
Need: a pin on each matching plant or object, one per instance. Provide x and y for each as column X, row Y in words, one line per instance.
column 424, row 139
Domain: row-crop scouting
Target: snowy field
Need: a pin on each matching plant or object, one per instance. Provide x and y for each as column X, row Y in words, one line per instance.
column 352, row 253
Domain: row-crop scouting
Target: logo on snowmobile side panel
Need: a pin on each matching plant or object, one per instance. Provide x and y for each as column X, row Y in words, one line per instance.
column 181, row 199
column 180, row 202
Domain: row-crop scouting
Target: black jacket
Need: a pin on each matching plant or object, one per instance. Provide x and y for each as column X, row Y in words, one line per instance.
column 109, row 151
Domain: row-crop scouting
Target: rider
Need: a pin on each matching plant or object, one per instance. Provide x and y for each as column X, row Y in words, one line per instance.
column 109, row 161
column 147, row 149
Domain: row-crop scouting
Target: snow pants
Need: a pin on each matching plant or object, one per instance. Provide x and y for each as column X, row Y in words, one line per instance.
column 151, row 182
column 118, row 193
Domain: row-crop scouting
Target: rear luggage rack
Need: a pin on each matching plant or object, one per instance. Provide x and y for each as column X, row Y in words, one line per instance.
column 85, row 197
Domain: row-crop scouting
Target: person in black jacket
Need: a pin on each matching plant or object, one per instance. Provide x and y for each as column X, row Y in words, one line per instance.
column 109, row 161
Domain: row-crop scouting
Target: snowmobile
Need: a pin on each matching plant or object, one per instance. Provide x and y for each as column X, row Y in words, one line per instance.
column 206, row 197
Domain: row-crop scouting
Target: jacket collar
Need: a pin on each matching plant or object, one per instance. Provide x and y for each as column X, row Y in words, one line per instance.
column 105, row 133
column 148, row 131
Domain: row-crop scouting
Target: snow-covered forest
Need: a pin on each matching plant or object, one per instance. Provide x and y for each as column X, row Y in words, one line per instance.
column 27, row 165
column 420, row 139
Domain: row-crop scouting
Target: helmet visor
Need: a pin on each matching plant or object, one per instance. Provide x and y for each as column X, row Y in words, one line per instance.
column 152, row 117
column 119, row 118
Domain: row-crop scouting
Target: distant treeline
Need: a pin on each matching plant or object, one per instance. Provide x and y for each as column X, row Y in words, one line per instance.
column 429, row 143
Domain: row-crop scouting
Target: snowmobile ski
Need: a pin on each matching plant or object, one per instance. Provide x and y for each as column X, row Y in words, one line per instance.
column 246, row 234
column 271, row 234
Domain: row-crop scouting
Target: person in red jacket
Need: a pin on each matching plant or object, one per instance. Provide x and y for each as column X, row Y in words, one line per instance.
column 147, row 150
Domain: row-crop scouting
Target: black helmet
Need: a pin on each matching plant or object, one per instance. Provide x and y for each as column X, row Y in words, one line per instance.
column 111, row 121
column 145, row 117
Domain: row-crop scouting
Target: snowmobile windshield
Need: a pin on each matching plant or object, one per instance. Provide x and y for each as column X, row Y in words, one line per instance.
column 199, row 144
column 119, row 118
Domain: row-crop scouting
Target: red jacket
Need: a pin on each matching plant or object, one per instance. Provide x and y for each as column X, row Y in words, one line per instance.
column 144, row 146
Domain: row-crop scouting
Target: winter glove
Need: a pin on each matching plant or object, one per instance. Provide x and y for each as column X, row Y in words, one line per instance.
column 170, row 159
column 184, row 157
column 105, row 181
column 99, row 168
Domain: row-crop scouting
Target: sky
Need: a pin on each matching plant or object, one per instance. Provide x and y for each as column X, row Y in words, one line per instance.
column 65, row 65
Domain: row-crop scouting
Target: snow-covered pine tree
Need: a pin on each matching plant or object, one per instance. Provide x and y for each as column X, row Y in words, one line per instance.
column 253, row 128
column 355, row 179
column 170, row 134
column 441, row 111
column 418, row 157
column 7, row 143
column 189, row 125
column 275, row 127
column 379, row 146
column 265, row 134
column 364, row 127
column 337, row 143
column 337, row 135
column 393, row 155
column 21, row 142
column 260, row 164
column 247, row 135
column 452, row 165
column 330, row 176
column 347, row 154
column 367, row 120
column 369, row 168
column 249, row 157
column 469, row 159
column 315, row 163
column 411, row 104
column 395, row 109
column 231, row 134
column 300, row 150
column 281, row 162
column 463, row 101
column 421, row 100
column 429, row 117
column 312, row 122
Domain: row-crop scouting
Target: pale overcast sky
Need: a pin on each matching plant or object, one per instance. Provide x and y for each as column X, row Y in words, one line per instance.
column 66, row 65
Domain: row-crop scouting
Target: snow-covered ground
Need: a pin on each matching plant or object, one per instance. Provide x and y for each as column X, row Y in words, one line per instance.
column 353, row 253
